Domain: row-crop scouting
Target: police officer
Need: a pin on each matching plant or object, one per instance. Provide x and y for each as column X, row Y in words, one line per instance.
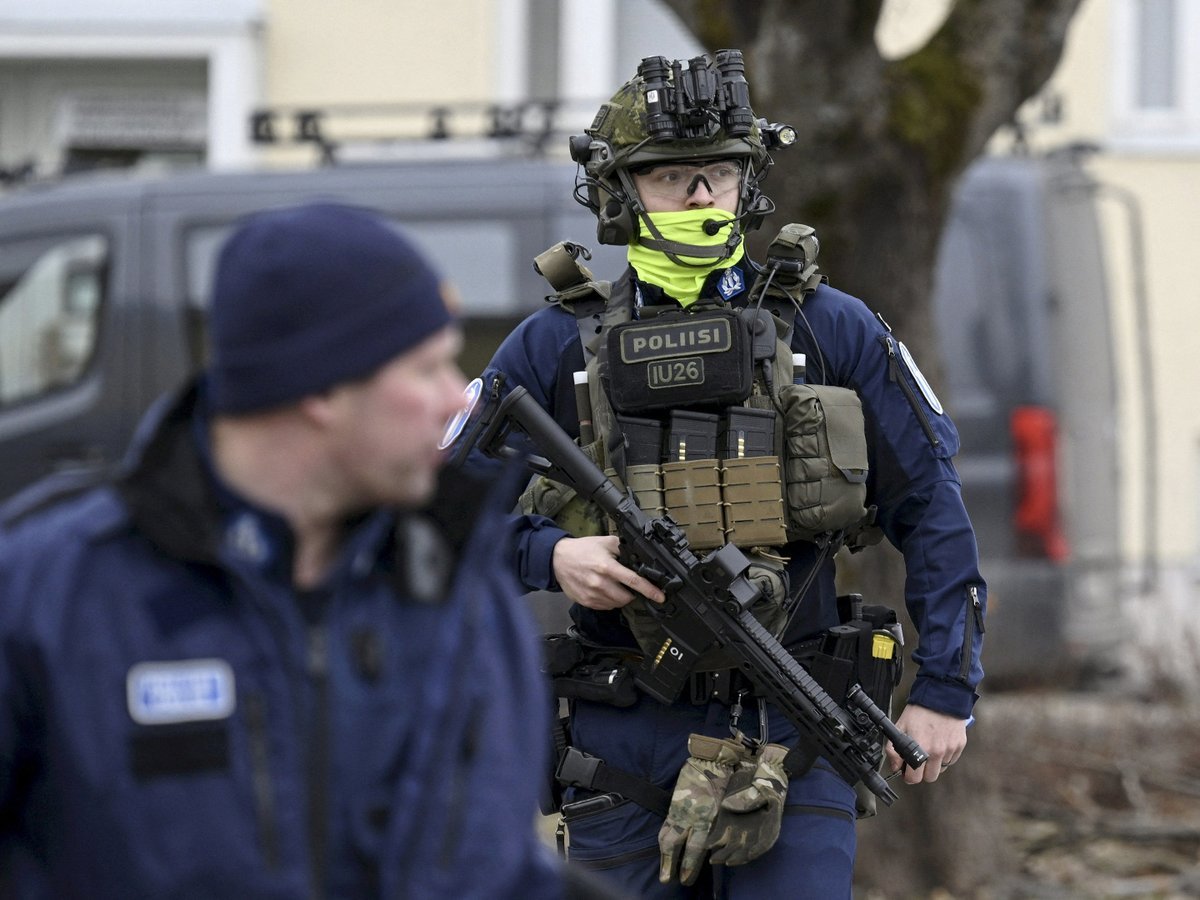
column 672, row 167
column 278, row 656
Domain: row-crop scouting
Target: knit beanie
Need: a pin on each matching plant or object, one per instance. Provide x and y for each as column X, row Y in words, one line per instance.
column 309, row 297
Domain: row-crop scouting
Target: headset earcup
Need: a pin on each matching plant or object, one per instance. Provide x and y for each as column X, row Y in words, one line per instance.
column 614, row 222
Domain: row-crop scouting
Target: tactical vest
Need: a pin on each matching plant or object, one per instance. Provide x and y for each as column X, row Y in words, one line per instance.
column 696, row 414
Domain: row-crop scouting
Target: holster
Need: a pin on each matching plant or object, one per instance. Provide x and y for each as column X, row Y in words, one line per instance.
column 581, row 669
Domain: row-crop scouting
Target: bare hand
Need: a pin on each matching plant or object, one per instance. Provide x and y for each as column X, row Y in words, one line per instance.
column 588, row 572
column 943, row 737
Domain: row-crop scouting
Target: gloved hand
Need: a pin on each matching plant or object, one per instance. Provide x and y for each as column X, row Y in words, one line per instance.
column 747, row 824
column 683, row 838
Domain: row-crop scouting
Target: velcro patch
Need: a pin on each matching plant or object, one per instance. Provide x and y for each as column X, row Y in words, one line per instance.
column 657, row 339
column 192, row 690
column 679, row 360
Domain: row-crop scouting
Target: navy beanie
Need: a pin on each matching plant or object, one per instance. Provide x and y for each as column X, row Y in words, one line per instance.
column 312, row 296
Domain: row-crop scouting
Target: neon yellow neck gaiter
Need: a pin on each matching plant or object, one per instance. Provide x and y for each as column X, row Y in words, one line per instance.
column 687, row 227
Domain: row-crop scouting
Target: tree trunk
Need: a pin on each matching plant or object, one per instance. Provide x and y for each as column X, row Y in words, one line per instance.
column 881, row 145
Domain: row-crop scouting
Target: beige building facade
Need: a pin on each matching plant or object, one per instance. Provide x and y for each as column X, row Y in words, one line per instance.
column 1129, row 83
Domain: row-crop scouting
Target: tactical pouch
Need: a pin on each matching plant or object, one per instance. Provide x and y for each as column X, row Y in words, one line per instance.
column 692, row 493
column 645, row 481
column 753, row 502
column 643, row 439
column 583, row 670
column 691, row 435
column 825, row 465
column 880, row 661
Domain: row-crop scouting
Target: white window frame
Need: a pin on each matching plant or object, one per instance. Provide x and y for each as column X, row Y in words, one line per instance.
column 1164, row 130
column 226, row 35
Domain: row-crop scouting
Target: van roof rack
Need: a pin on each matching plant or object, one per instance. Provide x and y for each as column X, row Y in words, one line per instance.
column 525, row 127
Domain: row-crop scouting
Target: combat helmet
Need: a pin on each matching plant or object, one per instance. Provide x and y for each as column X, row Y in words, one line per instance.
column 674, row 112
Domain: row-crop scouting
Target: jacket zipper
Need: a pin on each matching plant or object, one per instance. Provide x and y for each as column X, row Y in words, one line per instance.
column 452, row 836
column 897, row 376
column 973, row 626
column 318, row 755
column 260, row 768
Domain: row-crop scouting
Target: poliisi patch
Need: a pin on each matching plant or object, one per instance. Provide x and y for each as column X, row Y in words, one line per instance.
column 190, row 690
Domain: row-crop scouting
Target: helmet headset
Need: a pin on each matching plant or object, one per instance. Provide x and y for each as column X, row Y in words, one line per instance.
column 671, row 114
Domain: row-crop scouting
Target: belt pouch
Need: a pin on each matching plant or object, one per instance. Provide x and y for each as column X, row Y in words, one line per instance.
column 692, row 492
column 753, row 501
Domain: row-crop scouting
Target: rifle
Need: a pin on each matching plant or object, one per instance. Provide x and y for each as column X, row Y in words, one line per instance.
column 708, row 603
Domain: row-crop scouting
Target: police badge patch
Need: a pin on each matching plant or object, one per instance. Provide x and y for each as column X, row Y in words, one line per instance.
column 732, row 283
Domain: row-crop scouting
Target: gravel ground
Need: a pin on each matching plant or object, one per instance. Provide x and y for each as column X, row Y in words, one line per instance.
column 1058, row 796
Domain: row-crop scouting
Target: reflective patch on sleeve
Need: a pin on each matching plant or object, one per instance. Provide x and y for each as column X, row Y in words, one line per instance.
column 192, row 690
column 926, row 389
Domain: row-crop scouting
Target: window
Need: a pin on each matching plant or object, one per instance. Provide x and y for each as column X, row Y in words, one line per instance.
column 1156, row 71
column 51, row 292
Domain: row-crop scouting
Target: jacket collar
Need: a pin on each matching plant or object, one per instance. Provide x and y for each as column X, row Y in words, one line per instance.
column 179, row 505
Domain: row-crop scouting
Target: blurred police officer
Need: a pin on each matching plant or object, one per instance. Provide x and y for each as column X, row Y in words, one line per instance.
column 277, row 657
column 672, row 167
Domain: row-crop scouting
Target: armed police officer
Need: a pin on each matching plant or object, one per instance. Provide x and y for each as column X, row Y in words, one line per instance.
column 760, row 406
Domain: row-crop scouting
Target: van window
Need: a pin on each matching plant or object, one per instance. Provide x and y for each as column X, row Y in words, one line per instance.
column 478, row 256
column 51, row 293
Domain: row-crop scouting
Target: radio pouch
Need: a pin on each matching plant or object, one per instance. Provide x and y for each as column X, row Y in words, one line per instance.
column 825, row 459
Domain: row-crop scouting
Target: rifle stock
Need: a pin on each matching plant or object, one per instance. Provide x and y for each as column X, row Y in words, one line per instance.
column 708, row 603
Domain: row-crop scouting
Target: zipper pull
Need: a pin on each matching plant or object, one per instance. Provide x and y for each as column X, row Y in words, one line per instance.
column 976, row 606
column 318, row 651
column 893, row 358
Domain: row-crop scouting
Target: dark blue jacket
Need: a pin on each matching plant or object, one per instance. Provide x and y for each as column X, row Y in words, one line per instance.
column 176, row 722
column 912, row 479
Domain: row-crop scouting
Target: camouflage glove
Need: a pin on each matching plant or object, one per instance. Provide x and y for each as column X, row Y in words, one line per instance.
column 683, row 838
column 747, row 825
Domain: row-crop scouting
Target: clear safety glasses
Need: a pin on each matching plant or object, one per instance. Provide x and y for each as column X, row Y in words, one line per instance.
column 678, row 181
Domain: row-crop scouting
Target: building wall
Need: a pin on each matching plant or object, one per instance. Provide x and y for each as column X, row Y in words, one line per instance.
column 1157, row 170
column 378, row 51
column 1149, row 163
column 115, row 59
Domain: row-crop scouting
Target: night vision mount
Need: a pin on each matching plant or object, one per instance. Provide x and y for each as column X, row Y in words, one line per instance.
column 694, row 103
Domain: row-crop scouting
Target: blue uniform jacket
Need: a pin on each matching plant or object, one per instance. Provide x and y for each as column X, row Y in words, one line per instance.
column 912, row 479
column 173, row 725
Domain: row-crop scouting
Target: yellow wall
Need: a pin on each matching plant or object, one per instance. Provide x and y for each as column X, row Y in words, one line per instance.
column 378, row 50
column 1166, row 187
